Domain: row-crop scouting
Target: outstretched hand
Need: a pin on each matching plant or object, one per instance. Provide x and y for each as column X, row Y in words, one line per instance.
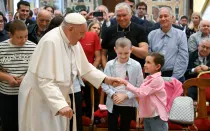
column 113, row 81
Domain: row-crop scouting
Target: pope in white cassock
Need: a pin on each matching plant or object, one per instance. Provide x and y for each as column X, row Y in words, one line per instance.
column 44, row 92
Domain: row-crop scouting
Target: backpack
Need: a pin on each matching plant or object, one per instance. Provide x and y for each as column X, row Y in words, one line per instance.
column 182, row 110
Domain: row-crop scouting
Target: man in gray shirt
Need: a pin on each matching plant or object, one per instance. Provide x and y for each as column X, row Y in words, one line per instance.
column 172, row 43
column 197, row 37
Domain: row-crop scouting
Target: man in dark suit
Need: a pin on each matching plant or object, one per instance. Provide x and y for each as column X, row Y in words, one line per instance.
column 23, row 9
column 141, row 9
column 199, row 61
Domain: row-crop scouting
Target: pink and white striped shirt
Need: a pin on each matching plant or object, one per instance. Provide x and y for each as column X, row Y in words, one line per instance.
column 152, row 96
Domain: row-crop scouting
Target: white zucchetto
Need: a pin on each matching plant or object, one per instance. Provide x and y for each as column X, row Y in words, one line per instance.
column 75, row 18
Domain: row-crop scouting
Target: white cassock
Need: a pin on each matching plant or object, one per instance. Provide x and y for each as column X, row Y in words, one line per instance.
column 46, row 86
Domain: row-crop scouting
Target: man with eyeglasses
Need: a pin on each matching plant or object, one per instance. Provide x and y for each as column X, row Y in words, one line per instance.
column 199, row 61
column 23, row 9
column 36, row 31
column 141, row 10
column 195, row 38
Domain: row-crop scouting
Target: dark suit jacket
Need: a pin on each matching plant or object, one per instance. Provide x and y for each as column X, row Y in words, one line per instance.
column 192, row 58
column 32, row 33
column 27, row 22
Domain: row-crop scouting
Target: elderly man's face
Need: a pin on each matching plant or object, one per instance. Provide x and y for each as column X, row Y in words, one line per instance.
column 43, row 20
column 165, row 18
column 204, row 48
column 77, row 33
column 205, row 27
column 123, row 17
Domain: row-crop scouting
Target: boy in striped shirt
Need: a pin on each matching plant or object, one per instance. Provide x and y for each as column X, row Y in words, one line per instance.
column 15, row 55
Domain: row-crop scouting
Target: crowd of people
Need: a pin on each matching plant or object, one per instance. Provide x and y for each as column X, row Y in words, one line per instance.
column 48, row 60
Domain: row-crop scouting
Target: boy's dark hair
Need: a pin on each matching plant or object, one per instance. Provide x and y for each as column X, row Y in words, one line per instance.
column 50, row 7
column 158, row 58
column 123, row 42
column 22, row 3
column 17, row 25
column 184, row 17
column 141, row 4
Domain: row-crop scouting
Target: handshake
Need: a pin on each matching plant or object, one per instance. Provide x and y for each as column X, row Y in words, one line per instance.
column 118, row 97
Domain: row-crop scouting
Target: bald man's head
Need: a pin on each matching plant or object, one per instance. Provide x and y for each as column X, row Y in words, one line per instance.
column 43, row 19
column 205, row 27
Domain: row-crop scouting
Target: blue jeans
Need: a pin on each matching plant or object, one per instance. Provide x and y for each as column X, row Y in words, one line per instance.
column 155, row 124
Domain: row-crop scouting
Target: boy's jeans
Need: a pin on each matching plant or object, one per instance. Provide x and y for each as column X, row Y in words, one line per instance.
column 155, row 124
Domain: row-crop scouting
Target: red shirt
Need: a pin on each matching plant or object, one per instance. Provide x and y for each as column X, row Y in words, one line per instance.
column 90, row 43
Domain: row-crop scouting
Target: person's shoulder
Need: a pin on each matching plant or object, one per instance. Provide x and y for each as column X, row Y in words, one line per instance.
column 110, row 63
column 30, row 43
column 154, row 32
column 135, row 64
column 178, row 27
column 90, row 33
column 112, row 28
column 30, row 22
column 137, row 26
column 31, row 28
column 178, row 33
column 4, row 43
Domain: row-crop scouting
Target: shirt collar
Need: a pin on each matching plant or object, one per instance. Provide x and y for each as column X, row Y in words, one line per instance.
column 128, row 62
column 127, row 29
column 169, row 33
column 155, row 75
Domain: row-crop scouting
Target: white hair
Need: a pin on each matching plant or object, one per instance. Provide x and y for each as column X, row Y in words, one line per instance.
column 205, row 40
column 168, row 9
column 201, row 23
column 123, row 5
column 106, row 9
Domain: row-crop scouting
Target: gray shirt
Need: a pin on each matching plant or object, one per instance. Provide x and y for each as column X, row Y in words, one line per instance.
column 194, row 41
column 173, row 45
